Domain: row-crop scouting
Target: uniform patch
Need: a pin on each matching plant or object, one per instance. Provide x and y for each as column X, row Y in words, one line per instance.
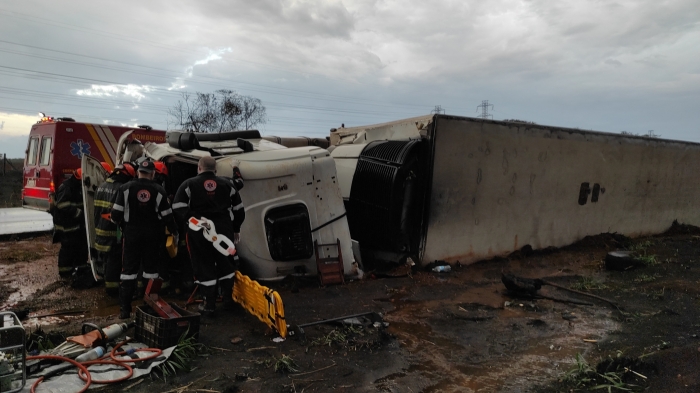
column 143, row 196
column 210, row 185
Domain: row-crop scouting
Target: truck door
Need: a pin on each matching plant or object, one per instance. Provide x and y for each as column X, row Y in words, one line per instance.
column 93, row 175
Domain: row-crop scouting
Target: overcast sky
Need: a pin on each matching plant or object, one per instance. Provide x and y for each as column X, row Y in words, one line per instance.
column 602, row 65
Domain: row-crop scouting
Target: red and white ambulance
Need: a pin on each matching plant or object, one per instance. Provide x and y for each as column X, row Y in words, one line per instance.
column 56, row 147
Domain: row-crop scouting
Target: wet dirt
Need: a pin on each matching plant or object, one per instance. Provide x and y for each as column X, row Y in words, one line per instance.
column 448, row 332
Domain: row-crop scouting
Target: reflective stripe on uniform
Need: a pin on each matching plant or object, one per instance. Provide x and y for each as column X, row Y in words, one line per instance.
column 103, row 248
column 105, row 204
column 150, row 275
column 118, row 208
column 126, row 205
column 65, row 269
column 206, row 283
column 102, row 232
column 126, row 277
column 159, row 198
column 226, row 277
column 66, row 229
column 111, row 284
column 179, row 205
column 166, row 212
column 62, row 205
column 238, row 207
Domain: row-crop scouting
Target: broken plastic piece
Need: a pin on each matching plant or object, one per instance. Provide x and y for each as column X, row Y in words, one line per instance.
column 209, row 231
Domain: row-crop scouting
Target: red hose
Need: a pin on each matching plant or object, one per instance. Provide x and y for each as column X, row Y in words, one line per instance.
column 156, row 352
column 84, row 373
column 80, row 367
column 83, row 376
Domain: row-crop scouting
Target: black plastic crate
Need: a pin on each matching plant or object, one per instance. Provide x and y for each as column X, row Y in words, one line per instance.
column 155, row 331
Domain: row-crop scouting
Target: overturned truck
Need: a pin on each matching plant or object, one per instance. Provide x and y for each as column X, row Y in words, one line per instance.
column 447, row 188
column 292, row 201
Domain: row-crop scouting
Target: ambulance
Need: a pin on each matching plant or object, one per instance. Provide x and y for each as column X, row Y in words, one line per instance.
column 55, row 149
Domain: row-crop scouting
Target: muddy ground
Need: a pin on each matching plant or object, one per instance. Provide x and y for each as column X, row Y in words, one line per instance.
column 448, row 332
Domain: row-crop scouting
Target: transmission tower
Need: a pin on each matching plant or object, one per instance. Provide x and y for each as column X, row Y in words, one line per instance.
column 485, row 109
column 438, row 109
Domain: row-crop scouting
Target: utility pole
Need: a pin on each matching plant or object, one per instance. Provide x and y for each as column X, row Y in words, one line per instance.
column 485, row 109
column 438, row 110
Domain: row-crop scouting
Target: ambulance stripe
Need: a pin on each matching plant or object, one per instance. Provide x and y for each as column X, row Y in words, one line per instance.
column 99, row 144
column 105, row 141
column 110, row 137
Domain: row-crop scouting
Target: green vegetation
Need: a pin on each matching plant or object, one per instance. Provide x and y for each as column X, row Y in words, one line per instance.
column 285, row 364
column 640, row 251
column 646, row 278
column 181, row 358
column 584, row 376
column 587, row 283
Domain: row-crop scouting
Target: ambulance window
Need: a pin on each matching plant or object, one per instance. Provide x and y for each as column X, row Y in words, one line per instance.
column 45, row 151
column 31, row 154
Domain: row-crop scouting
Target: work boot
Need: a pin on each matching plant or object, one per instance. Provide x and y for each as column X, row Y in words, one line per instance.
column 126, row 293
column 227, row 294
column 208, row 307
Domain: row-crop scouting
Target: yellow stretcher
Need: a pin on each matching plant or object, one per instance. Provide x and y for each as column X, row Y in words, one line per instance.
column 260, row 301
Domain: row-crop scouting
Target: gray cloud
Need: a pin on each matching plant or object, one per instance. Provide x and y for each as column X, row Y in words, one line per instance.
column 606, row 65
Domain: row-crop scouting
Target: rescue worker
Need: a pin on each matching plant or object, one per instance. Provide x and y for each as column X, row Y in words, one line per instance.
column 107, row 239
column 142, row 210
column 216, row 199
column 69, row 225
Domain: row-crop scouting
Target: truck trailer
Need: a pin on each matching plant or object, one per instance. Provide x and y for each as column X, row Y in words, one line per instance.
column 459, row 189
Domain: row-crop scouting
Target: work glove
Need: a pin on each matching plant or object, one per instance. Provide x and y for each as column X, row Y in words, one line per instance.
column 236, row 237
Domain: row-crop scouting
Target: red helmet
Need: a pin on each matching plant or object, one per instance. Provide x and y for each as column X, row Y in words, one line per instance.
column 78, row 173
column 126, row 168
column 161, row 168
column 106, row 166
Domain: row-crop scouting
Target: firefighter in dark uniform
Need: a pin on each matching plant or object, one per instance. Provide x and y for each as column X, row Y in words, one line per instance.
column 107, row 240
column 69, row 225
column 143, row 211
column 216, row 199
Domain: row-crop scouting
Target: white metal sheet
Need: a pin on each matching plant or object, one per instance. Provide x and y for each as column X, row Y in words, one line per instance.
column 20, row 220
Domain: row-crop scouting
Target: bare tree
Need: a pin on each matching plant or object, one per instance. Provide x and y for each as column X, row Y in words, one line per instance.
column 223, row 110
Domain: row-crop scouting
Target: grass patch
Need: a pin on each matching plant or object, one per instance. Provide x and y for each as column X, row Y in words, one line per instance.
column 19, row 255
column 583, row 376
column 181, row 358
column 587, row 283
column 646, row 278
column 350, row 337
column 285, row 364
column 640, row 251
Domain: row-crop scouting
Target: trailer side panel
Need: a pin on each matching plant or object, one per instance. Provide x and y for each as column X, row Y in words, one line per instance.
column 497, row 187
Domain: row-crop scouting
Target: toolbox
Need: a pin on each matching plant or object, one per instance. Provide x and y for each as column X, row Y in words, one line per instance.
column 157, row 332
